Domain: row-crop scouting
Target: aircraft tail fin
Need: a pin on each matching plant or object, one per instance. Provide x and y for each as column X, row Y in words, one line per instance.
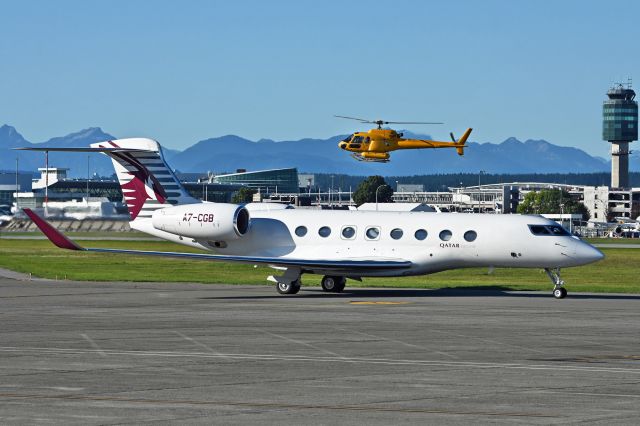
column 146, row 180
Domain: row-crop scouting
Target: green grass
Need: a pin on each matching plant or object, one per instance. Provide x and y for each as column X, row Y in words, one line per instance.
column 80, row 234
column 617, row 273
column 612, row 240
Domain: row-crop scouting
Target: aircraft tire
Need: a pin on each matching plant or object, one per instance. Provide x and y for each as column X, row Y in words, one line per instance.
column 329, row 283
column 333, row 284
column 288, row 288
column 560, row 293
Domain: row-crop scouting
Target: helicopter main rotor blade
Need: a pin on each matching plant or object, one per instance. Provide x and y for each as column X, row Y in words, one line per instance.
column 411, row 122
column 354, row 118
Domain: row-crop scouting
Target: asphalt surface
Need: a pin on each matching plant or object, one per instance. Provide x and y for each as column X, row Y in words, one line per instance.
column 122, row 353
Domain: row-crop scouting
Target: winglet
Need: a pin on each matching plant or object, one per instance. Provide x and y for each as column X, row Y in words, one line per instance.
column 50, row 232
column 463, row 140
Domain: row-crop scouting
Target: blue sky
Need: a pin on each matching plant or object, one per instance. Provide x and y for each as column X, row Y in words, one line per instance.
column 183, row 71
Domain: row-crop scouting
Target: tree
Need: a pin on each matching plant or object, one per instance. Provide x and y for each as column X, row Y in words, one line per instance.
column 244, row 195
column 366, row 191
column 552, row 201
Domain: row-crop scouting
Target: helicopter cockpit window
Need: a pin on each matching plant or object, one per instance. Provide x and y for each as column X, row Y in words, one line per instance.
column 348, row 138
column 367, row 140
column 358, row 139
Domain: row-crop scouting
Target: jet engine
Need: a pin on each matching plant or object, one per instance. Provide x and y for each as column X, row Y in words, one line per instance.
column 210, row 221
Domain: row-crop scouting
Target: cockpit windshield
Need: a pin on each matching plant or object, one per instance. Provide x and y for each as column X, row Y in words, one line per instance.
column 348, row 138
column 556, row 230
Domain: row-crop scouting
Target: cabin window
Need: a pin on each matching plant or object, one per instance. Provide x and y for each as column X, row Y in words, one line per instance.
column 372, row 233
column 470, row 236
column 348, row 232
column 396, row 234
column 445, row 235
column 324, row 232
column 420, row 234
column 301, row 231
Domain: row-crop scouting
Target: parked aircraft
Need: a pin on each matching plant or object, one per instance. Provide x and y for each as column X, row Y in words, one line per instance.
column 336, row 244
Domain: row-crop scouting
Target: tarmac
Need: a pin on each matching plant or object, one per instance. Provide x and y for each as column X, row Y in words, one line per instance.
column 126, row 353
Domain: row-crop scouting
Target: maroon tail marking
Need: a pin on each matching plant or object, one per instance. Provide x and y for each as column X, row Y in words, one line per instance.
column 141, row 177
column 51, row 233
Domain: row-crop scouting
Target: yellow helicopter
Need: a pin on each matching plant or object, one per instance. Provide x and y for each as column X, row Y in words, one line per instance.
column 375, row 145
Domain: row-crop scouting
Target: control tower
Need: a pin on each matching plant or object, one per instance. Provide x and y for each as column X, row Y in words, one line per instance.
column 620, row 127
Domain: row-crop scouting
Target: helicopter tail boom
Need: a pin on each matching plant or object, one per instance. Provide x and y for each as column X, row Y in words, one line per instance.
column 459, row 145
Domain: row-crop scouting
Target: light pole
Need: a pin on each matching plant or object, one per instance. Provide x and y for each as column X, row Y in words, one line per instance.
column 330, row 192
column 377, row 189
column 88, row 158
column 17, row 185
column 479, row 193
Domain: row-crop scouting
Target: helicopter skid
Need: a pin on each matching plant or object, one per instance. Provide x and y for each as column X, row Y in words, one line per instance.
column 359, row 157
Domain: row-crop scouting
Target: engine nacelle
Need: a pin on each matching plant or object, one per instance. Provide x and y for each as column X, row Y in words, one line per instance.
column 210, row 221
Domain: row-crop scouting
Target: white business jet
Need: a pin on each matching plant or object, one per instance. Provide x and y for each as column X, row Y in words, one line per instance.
column 336, row 244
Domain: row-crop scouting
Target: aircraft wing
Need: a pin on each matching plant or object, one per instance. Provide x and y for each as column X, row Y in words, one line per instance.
column 352, row 265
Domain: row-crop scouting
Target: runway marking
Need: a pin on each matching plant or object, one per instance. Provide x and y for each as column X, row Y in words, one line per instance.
column 612, row 395
column 276, row 405
column 94, row 344
column 495, row 342
column 411, row 345
column 195, row 342
column 357, row 302
column 299, row 342
column 315, row 359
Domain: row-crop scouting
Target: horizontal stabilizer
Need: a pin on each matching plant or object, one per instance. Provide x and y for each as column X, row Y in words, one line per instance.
column 104, row 150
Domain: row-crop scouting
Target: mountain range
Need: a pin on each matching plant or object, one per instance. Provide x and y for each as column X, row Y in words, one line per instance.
column 228, row 153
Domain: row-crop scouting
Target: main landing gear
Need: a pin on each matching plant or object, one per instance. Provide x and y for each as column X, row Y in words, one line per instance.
column 289, row 288
column 289, row 282
column 559, row 292
column 333, row 284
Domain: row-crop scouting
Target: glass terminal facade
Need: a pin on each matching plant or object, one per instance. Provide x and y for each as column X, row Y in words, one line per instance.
column 282, row 181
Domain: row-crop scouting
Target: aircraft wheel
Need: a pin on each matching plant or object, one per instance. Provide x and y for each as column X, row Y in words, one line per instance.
column 559, row 293
column 288, row 288
column 333, row 284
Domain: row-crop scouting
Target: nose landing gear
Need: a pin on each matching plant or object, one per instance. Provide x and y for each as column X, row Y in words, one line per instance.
column 559, row 292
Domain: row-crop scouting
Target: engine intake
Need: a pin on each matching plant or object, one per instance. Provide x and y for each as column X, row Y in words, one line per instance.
column 210, row 221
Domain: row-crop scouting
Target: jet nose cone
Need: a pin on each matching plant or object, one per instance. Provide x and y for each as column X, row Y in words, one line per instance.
column 587, row 253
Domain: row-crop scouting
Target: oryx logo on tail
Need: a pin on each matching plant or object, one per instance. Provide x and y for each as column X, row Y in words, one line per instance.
column 143, row 185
